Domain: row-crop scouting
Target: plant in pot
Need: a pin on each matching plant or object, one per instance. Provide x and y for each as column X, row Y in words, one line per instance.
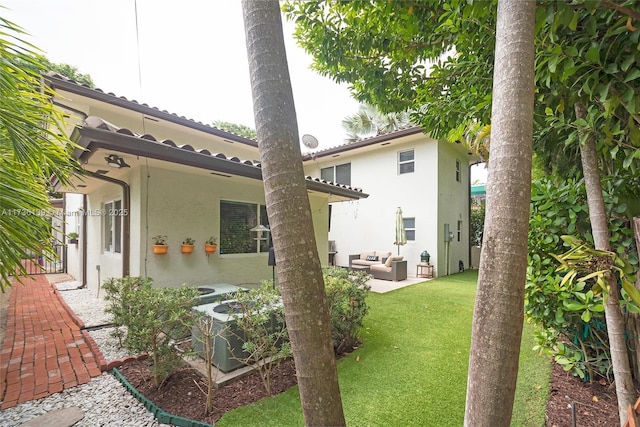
column 160, row 246
column 73, row 238
column 187, row 245
column 211, row 245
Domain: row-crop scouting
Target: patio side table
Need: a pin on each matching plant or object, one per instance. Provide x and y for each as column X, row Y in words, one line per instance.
column 424, row 269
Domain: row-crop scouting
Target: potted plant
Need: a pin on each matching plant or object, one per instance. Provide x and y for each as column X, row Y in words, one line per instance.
column 73, row 237
column 160, row 246
column 187, row 245
column 211, row 245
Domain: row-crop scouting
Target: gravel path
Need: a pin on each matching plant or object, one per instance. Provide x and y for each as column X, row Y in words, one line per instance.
column 104, row 401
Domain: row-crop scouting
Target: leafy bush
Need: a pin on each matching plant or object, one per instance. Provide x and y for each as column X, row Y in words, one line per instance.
column 477, row 223
column 571, row 314
column 152, row 317
column 262, row 323
column 346, row 297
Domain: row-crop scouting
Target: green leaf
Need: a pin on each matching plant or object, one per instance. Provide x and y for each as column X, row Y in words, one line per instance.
column 632, row 75
column 586, row 316
column 574, row 22
column 574, row 306
column 593, row 54
column 627, row 62
column 571, row 51
column 632, row 291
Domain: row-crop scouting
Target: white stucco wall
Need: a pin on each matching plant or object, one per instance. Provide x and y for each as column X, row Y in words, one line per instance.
column 430, row 194
column 181, row 205
column 109, row 263
column 369, row 224
column 73, row 218
column 453, row 206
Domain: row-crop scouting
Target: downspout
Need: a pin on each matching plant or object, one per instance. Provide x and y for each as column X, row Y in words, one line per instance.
column 126, row 223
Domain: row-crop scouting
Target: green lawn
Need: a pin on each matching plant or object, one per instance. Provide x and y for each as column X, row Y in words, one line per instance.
column 412, row 366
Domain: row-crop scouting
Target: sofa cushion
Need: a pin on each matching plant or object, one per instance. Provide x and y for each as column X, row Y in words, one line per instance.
column 381, row 267
column 393, row 258
column 383, row 254
column 363, row 262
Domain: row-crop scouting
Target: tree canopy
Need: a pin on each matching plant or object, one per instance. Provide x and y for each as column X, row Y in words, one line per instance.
column 436, row 59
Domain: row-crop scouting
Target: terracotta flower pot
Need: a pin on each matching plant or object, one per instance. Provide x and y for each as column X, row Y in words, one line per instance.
column 186, row 249
column 210, row 248
column 160, row 249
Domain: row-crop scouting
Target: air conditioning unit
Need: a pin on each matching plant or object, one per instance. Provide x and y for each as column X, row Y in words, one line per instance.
column 217, row 292
column 226, row 337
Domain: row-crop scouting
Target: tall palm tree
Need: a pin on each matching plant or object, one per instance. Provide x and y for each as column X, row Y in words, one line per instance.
column 625, row 390
column 298, row 263
column 498, row 314
column 31, row 151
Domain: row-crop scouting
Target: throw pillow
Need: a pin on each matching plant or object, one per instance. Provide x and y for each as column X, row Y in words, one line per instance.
column 372, row 258
column 393, row 258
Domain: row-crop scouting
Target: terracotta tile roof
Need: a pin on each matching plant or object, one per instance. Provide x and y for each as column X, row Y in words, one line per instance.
column 372, row 140
column 58, row 81
column 213, row 161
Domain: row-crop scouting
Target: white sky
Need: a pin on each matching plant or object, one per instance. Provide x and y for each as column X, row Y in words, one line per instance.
column 192, row 57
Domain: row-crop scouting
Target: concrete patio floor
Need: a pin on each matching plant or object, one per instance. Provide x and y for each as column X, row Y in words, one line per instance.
column 382, row 286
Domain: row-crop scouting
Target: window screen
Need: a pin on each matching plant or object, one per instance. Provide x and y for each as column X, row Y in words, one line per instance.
column 410, row 228
column 236, row 221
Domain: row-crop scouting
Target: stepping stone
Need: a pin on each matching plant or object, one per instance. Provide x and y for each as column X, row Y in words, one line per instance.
column 65, row 417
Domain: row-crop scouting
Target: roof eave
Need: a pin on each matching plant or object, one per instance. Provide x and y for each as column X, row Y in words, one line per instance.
column 70, row 86
column 91, row 138
column 364, row 143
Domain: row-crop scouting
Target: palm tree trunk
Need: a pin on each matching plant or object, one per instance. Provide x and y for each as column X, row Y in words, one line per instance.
column 499, row 314
column 600, row 230
column 298, row 264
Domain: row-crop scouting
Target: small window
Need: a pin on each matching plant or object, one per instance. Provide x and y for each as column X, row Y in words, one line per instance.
column 458, row 174
column 112, row 226
column 326, row 174
column 339, row 174
column 406, row 162
column 410, row 228
column 459, row 231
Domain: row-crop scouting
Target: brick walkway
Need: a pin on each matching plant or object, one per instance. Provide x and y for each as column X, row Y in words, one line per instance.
column 44, row 350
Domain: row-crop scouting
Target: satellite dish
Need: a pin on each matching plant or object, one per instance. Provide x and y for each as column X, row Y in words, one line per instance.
column 309, row 141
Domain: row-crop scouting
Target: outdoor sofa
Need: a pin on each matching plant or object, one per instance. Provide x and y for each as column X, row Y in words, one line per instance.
column 381, row 264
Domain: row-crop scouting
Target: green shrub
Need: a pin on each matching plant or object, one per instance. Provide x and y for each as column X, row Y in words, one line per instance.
column 477, row 223
column 571, row 314
column 261, row 320
column 346, row 298
column 152, row 316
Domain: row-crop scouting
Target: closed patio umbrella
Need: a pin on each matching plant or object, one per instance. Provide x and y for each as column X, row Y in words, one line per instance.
column 401, row 235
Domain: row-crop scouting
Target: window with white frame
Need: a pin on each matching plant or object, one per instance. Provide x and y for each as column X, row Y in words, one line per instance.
column 458, row 171
column 406, row 162
column 112, row 226
column 338, row 174
column 410, row 228
column 236, row 221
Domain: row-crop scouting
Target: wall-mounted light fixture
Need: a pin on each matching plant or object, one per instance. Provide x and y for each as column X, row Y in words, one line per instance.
column 116, row 161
